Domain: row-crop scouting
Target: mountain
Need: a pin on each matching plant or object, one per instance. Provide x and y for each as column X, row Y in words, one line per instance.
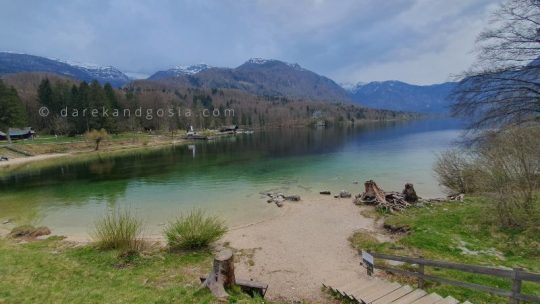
column 179, row 71
column 15, row 63
column 265, row 77
column 401, row 96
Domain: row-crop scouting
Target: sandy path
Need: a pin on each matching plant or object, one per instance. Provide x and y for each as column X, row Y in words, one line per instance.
column 24, row 160
column 295, row 252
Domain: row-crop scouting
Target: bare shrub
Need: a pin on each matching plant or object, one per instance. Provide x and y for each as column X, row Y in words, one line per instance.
column 510, row 162
column 505, row 165
column 97, row 136
column 456, row 171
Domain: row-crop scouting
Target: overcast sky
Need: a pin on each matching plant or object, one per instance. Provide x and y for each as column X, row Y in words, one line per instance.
column 417, row 41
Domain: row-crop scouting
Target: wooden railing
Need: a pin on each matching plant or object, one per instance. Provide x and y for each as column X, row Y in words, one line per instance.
column 516, row 275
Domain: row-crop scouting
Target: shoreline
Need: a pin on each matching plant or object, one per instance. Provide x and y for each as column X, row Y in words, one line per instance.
column 40, row 160
column 30, row 159
column 294, row 251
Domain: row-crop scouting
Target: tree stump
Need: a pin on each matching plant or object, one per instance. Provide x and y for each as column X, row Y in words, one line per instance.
column 409, row 193
column 222, row 274
column 373, row 195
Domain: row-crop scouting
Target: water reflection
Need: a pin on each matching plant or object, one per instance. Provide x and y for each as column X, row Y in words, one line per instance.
column 227, row 175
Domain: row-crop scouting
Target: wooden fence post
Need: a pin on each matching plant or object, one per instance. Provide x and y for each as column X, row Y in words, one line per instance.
column 516, row 286
column 421, row 277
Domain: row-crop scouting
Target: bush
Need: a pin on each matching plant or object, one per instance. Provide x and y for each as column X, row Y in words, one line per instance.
column 118, row 230
column 456, row 172
column 194, row 230
column 504, row 165
column 97, row 136
column 510, row 161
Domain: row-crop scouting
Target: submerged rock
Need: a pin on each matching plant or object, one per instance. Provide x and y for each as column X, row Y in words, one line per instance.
column 345, row 194
column 325, row 192
column 294, row 198
column 279, row 198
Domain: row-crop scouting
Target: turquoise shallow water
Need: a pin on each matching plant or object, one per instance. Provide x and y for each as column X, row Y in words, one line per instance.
column 227, row 176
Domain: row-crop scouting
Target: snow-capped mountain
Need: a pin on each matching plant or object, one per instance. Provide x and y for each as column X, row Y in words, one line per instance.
column 180, row 71
column 259, row 76
column 351, row 87
column 262, row 61
column 401, row 96
column 15, row 63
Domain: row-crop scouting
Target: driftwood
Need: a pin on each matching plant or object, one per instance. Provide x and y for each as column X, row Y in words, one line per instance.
column 388, row 201
column 222, row 274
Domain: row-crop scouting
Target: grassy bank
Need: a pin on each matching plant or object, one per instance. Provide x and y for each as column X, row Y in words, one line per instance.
column 71, row 144
column 463, row 233
column 79, row 151
column 53, row 271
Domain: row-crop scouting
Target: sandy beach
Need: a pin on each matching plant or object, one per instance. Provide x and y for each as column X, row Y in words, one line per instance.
column 294, row 253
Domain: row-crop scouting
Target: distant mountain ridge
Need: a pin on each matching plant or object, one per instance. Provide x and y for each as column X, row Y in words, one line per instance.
column 258, row 76
column 11, row 63
column 261, row 77
column 401, row 96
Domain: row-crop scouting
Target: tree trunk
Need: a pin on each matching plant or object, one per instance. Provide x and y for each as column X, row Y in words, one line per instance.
column 222, row 275
column 372, row 193
column 409, row 193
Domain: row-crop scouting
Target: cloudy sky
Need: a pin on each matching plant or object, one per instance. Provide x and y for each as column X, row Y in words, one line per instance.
column 417, row 41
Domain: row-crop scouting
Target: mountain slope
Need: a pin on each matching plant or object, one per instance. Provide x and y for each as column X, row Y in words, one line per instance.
column 263, row 77
column 179, row 71
column 401, row 96
column 15, row 63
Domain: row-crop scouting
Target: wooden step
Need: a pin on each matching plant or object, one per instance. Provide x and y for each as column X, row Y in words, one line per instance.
column 380, row 292
column 431, row 298
column 355, row 290
column 361, row 292
column 394, row 295
column 448, row 300
column 340, row 281
column 411, row 297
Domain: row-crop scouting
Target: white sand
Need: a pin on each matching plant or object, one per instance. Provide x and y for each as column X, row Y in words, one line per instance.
column 296, row 252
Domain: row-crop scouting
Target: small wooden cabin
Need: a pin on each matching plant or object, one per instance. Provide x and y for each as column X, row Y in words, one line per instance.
column 18, row 133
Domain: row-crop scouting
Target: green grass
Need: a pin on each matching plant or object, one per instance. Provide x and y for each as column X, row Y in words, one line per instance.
column 194, row 230
column 52, row 271
column 118, row 229
column 463, row 233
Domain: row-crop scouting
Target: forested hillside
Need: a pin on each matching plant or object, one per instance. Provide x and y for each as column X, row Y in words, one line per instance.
column 168, row 105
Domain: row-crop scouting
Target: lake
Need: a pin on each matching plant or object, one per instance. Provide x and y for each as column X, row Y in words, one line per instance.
column 227, row 176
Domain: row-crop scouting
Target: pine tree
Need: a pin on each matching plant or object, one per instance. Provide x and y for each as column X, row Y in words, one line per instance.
column 12, row 111
column 45, row 93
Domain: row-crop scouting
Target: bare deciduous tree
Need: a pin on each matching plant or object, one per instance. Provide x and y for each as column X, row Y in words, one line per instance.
column 503, row 86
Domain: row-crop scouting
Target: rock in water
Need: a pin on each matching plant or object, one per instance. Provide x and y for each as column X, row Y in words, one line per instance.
column 326, row 192
column 344, row 194
column 294, row 198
